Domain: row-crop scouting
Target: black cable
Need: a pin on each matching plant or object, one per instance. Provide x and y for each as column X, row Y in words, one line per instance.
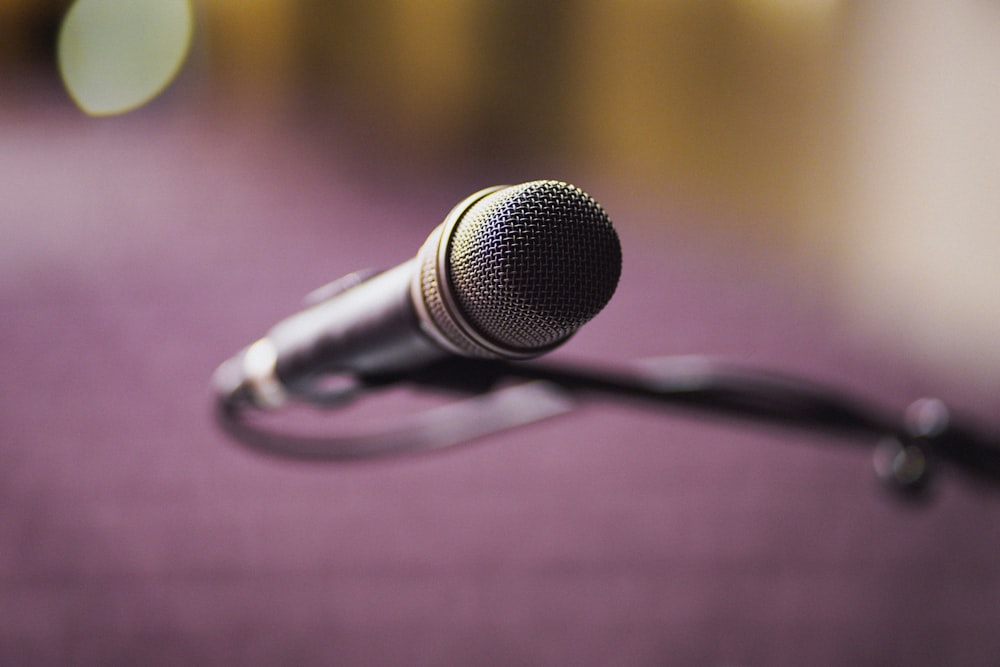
column 491, row 404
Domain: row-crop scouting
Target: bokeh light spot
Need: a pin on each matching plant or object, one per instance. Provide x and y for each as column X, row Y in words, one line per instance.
column 116, row 55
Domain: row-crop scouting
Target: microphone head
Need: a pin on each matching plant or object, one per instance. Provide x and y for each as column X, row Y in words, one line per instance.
column 514, row 271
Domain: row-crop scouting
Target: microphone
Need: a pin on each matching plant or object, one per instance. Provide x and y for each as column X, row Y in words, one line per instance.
column 511, row 273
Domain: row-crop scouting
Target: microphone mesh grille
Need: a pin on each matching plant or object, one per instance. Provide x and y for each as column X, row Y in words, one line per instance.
column 531, row 263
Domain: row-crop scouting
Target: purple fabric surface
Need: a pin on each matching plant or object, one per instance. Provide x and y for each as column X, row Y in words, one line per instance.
column 137, row 254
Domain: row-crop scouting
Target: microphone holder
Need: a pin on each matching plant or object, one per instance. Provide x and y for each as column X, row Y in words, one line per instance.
column 498, row 395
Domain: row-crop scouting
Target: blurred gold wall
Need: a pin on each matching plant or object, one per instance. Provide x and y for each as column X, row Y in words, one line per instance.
column 727, row 98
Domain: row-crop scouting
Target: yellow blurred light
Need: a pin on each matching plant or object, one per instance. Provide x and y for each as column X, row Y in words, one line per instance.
column 116, row 55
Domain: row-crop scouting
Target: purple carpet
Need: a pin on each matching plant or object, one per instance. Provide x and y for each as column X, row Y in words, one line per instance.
column 138, row 253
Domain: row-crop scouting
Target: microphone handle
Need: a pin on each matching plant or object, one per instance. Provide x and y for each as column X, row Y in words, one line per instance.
column 370, row 328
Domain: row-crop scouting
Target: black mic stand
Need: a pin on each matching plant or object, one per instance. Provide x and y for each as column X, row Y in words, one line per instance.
column 906, row 448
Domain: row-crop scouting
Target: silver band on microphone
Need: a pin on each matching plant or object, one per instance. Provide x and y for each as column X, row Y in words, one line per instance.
column 439, row 315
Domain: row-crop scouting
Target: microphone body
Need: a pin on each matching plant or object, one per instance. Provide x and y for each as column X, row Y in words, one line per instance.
column 511, row 273
column 370, row 328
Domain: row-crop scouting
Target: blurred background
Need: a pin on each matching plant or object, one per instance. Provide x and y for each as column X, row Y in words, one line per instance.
column 803, row 185
column 857, row 140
